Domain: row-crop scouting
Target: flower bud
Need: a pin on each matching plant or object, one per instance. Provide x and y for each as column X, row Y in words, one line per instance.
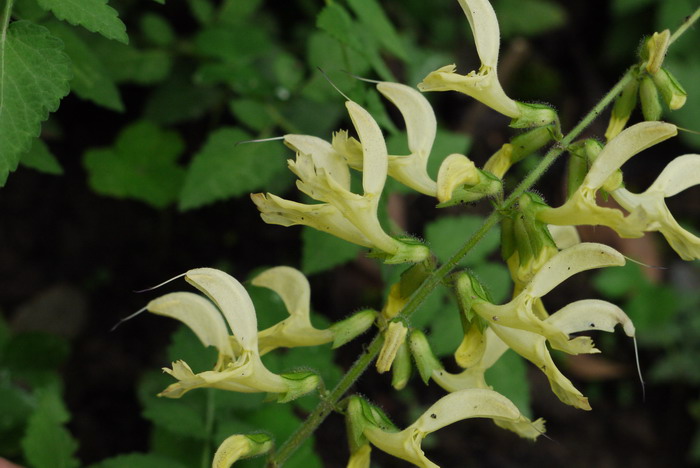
column 656, row 47
column 426, row 362
column 394, row 337
column 507, row 237
column 240, row 446
column 298, row 384
column 671, row 90
column 534, row 115
column 471, row 349
column 401, row 368
column 499, row 163
column 649, row 97
column 455, row 171
column 527, row 143
column 352, row 327
column 625, row 103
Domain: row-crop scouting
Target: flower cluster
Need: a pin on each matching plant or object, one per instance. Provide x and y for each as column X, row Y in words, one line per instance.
column 539, row 244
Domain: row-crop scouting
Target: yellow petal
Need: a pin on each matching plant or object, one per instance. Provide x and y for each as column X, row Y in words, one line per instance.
column 375, row 157
column 233, row 301
column 411, row 170
column 455, row 171
column 198, row 314
column 484, row 24
column 293, row 287
column 322, row 217
column 239, row 446
column 568, row 262
column 324, row 156
column 591, row 314
column 629, row 142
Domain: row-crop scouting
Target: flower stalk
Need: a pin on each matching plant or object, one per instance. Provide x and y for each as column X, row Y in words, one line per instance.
column 329, row 403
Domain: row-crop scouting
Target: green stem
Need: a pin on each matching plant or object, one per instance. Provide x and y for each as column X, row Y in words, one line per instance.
column 327, row 405
column 209, row 425
column 689, row 21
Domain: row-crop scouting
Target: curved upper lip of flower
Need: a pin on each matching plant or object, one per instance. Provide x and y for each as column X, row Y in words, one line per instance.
column 649, row 210
column 482, row 85
column 453, row 407
column 296, row 330
column 581, row 208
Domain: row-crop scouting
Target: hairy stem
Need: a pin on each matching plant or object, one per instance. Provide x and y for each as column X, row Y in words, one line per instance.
column 688, row 22
column 328, row 403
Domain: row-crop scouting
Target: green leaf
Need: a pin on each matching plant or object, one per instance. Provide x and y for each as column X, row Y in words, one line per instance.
column 15, row 408
column 508, row 377
column 651, row 307
column 178, row 100
column 177, row 416
column 496, row 278
column 128, row 64
column 336, row 21
column 449, row 233
column 47, row 444
column 251, row 113
column 223, row 169
column 93, row 15
column 373, row 17
column 236, row 12
column 141, row 165
column 233, row 44
column 445, row 328
column 203, row 10
column 615, row 283
column 39, row 157
column 90, row 77
column 185, row 345
column 626, row 7
column 157, row 30
column 34, row 351
column 446, row 143
column 321, row 252
column 534, row 17
column 138, row 460
column 34, row 74
column 29, row 10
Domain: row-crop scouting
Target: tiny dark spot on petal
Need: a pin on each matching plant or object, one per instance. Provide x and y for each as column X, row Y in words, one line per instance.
column 434, row 416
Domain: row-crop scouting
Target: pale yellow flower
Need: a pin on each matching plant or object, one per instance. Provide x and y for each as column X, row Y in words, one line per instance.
column 240, row 446
column 323, row 175
column 581, row 207
column 649, row 211
column 520, row 312
column 584, row 315
column 482, row 85
column 239, row 367
column 294, row 290
column 454, row 407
